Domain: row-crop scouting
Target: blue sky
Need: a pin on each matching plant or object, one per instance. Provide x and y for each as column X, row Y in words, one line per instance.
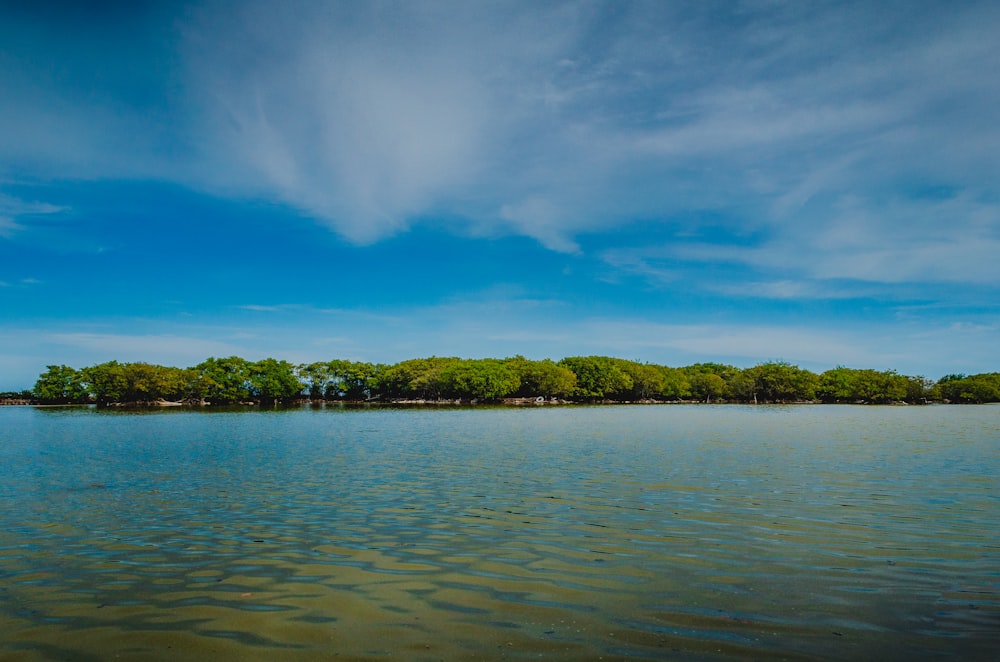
column 816, row 182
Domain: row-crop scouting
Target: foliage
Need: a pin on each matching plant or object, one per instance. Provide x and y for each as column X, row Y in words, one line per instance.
column 869, row 386
column 114, row 382
column 979, row 388
column 357, row 379
column 106, row 382
column 598, row 377
column 647, row 380
column 317, row 379
column 918, row 389
column 339, row 380
column 223, row 381
column 485, row 379
column 838, row 385
column 541, row 378
column 272, row 381
column 676, row 385
column 581, row 378
column 60, row 384
column 415, row 378
column 710, row 381
column 776, row 381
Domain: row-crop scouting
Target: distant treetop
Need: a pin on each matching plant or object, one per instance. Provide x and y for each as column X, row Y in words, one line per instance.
column 573, row 379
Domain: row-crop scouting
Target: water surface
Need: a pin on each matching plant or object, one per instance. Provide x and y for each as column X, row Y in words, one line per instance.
column 656, row 532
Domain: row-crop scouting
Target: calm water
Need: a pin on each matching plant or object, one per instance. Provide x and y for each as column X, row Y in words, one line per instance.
column 658, row 532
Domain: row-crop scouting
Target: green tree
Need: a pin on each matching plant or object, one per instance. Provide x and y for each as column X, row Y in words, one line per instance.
column 984, row 387
column 744, row 387
column 269, row 380
column 142, row 382
column 146, row 383
column 881, row 387
column 710, row 381
column 484, row 379
column 838, row 385
column 870, row 386
column 676, row 385
column 224, row 381
column 777, row 381
column 708, row 386
column 107, row 382
column 350, row 380
column 647, row 379
column 598, row 377
column 918, row 389
column 60, row 384
column 318, row 378
column 415, row 378
column 541, row 378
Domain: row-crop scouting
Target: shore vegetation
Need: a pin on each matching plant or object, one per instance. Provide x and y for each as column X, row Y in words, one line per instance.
column 582, row 379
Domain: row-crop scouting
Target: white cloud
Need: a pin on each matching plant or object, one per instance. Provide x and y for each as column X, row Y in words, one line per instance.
column 362, row 120
column 539, row 218
column 899, row 241
column 376, row 127
column 785, row 289
column 557, row 119
column 23, row 282
column 13, row 211
column 258, row 308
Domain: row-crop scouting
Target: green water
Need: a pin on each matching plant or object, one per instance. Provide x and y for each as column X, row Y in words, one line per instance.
column 657, row 532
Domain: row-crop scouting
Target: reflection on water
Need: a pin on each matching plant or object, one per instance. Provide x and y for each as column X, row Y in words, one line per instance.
column 666, row 532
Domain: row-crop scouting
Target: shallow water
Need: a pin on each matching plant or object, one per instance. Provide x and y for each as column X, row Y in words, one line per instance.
column 647, row 532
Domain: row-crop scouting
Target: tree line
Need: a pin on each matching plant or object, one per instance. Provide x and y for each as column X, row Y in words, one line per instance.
column 219, row 381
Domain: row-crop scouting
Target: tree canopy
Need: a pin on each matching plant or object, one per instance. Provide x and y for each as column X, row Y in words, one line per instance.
column 231, row 380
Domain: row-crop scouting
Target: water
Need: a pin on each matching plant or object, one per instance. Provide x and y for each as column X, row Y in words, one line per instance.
column 657, row 532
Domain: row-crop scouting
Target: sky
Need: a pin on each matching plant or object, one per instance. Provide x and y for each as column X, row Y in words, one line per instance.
column 671, row 182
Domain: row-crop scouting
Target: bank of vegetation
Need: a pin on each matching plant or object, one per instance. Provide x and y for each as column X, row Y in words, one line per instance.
column 585, row 379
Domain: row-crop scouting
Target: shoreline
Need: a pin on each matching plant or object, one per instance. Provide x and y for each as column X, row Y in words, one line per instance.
column 443, row 403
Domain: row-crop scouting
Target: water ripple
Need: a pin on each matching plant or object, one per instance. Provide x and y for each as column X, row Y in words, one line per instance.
column 639, row 532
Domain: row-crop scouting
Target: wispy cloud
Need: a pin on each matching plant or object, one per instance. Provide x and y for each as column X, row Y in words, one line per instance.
column 788, row 289
column 23, row 282
column 257, row 308
column 361, row 121
column 548, row 120
column 533, row 121
column 951, row 241
column 13, row 211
